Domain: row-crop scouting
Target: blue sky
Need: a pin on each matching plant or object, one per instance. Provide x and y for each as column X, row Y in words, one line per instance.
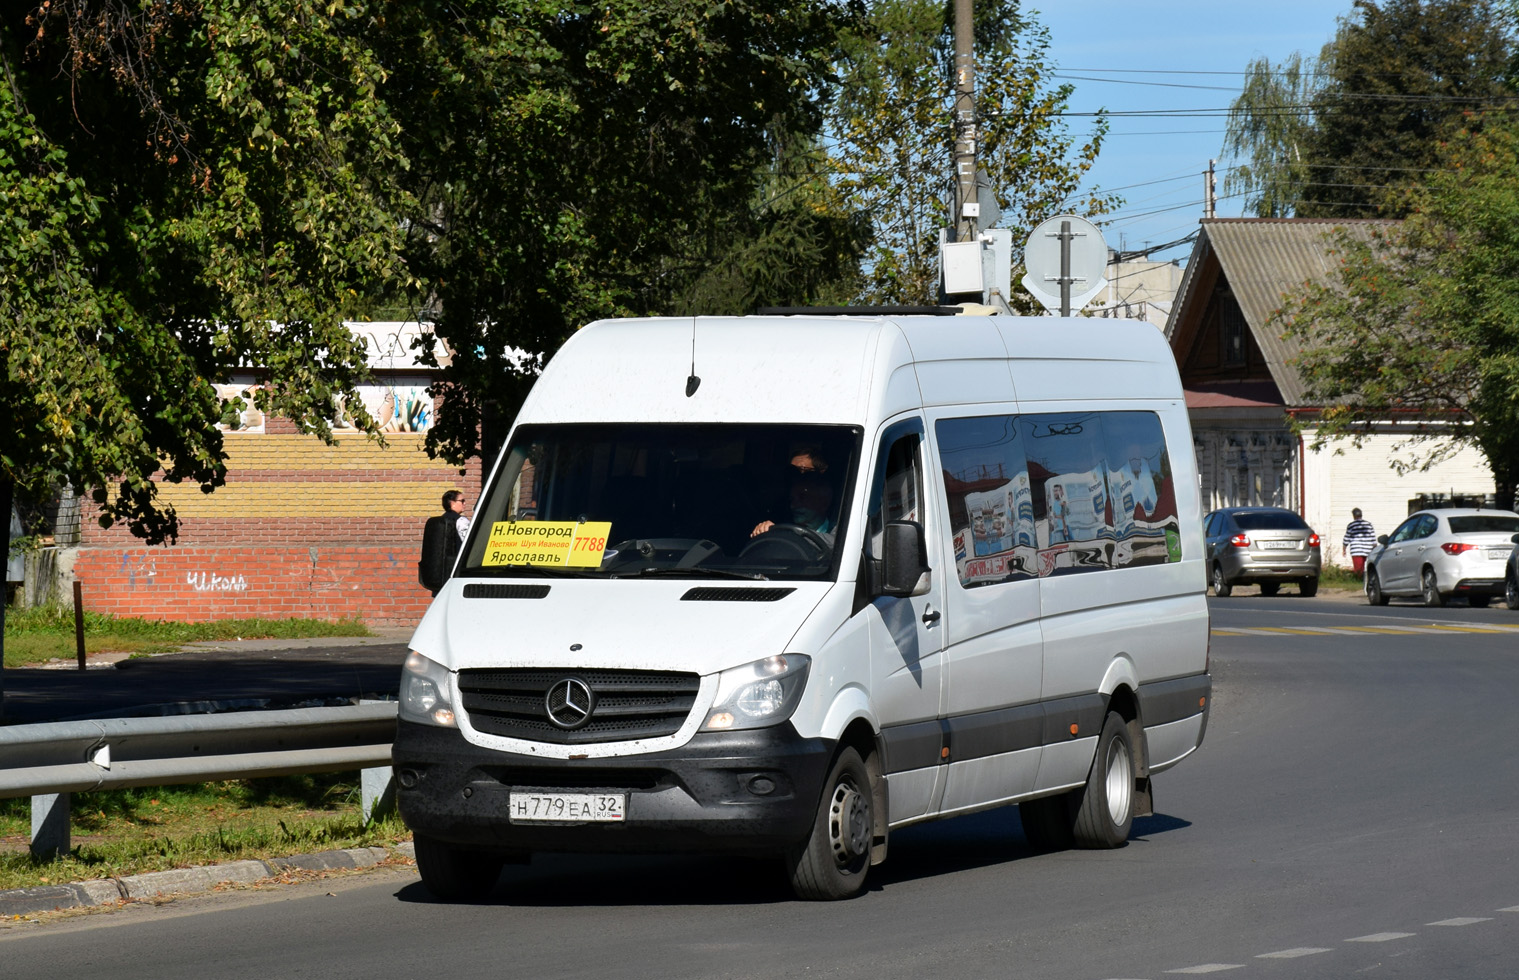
column 1119, row 40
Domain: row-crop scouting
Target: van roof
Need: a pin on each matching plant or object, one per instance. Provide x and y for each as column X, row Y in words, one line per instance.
column 842, row 369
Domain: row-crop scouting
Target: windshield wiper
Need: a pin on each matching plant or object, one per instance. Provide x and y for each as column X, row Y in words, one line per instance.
column 694, row 570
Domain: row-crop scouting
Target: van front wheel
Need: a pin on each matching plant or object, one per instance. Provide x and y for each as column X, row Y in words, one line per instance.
column 1107, row 803
column 832, row 862
column 455, row 874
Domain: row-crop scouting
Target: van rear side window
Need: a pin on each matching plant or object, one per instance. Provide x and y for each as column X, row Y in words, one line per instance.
column 1057, row 494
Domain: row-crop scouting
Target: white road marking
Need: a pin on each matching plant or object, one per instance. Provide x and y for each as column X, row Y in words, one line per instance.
column 1457, row 922
column 1210, row 968
column 1381, row 937
column 1292, row 954
column 1511, row 908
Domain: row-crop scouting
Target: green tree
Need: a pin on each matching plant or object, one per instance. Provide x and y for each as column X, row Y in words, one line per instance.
column 1269, row 126
column 576, row 161
column 892, row 123
column 1421, row 322
column 180, row 201
column 1340, row 137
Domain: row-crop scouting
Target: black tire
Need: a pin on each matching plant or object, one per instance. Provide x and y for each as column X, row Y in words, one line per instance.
column 1047, row 822
column 1479, row 601
column 1107, row 803
column 1270, row 588
column 834, row 860
column 1308, row 588
column 455, row 874
column 1374, row 593
column 1221, row 586
column 1511, row 592
column 1429, row 589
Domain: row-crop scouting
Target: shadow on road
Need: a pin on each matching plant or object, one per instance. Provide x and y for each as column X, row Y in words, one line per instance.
column 924, row 851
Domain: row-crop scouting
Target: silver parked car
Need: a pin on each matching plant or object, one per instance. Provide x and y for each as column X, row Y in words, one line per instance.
column 1443, row 552
column 1263, row 546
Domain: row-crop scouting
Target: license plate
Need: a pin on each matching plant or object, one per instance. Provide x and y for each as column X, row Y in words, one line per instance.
column 549, row 807
column 1499, row 554
column 1279, row 545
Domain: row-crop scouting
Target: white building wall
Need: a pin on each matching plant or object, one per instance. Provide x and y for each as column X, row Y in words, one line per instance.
column 1333, row 484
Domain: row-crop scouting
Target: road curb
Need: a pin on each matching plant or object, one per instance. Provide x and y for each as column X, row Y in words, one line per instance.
column 187, row 881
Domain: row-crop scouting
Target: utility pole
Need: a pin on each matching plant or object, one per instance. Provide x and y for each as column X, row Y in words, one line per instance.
column 1210, row 186
column 966, row 222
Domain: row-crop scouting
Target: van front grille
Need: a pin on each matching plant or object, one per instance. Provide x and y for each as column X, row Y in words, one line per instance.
column 626, row 704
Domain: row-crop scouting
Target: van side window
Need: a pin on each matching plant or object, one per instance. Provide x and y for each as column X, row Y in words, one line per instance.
column 896, row 492
column 1057, row 494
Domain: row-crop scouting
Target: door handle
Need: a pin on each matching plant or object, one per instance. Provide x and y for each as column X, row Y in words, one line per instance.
column 930, row 617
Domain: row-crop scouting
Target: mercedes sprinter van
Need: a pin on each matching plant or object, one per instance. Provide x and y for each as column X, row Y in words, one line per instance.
column 783, row 584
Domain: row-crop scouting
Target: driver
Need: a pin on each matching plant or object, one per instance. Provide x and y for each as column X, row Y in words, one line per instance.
column 811, row 496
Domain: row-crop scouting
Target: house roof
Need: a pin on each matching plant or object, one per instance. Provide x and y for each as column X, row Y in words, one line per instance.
column 1261, row 259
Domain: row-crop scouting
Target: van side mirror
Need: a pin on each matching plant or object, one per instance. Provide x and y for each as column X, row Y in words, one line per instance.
column 902, row 570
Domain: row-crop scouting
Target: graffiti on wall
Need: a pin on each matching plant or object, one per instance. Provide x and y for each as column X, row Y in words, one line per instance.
column 214, row 582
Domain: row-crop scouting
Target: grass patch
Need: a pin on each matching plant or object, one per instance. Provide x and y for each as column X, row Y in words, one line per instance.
column 1336, row 577
column 47, row 633
column 132, row 831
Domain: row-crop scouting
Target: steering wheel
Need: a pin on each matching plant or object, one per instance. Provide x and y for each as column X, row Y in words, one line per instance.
column 802, row 542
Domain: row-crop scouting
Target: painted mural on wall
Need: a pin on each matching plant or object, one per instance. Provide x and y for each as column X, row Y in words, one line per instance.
column 1039, row 495
column 398, row 403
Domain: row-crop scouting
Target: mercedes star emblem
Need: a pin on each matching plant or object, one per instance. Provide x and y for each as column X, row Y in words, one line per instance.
column 569, row 703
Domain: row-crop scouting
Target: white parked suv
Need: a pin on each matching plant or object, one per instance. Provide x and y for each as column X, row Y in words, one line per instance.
column 1443, row 552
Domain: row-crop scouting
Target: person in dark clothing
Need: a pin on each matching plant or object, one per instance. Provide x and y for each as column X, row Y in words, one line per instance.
column 441, row 539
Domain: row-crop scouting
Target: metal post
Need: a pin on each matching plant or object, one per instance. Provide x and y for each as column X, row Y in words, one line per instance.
column 50, row 826
column 1065, row 268
column 377, row 788
column 79, row 621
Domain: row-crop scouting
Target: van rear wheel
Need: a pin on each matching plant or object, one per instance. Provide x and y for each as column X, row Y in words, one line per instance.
column 833, row 861
column 455, row 874
column 1107, row 804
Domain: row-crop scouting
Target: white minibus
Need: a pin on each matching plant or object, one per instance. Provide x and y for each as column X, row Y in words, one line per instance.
column 784, row 584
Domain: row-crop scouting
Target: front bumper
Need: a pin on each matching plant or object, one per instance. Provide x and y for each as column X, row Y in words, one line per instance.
column 709, row 795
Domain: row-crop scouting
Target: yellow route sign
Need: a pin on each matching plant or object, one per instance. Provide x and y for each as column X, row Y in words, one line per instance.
column 554, row 544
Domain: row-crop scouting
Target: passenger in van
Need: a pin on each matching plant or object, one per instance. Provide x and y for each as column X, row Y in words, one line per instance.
column 810, row 499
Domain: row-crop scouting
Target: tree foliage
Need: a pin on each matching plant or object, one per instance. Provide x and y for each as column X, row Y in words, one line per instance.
column 570, row 161
column 892, row 126
column 1269, row 127
column 1421, row 323
column 180, row 202
column 1343, row 135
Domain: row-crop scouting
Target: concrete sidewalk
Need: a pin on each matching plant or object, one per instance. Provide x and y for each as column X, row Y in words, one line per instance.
column 189, row 881
column 228, row 675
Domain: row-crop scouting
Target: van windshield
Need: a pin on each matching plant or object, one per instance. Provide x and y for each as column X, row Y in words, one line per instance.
column 689, row 500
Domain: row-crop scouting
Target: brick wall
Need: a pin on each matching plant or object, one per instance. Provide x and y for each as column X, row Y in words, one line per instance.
column 300, row 530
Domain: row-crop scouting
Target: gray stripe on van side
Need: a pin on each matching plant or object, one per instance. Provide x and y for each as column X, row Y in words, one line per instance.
column 1166, row 701
column 995, row 732
column 1086, row 711
column 915, row 746
column 989, row 733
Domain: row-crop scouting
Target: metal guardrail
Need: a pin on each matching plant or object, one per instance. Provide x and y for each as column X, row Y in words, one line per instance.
column 47, row 762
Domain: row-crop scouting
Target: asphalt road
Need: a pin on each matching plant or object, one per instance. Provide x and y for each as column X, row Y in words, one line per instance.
column 1351, row 812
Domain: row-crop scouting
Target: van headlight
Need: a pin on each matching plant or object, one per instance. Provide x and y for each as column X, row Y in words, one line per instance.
column 425, row 692
column 758, row 694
